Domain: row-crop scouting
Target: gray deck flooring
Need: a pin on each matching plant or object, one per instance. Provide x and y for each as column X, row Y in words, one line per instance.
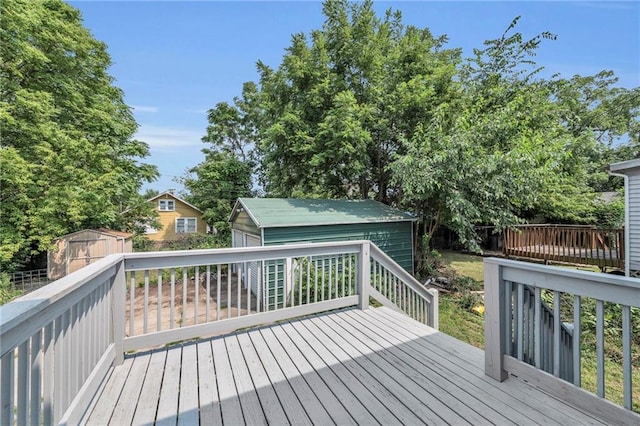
column 346, row 367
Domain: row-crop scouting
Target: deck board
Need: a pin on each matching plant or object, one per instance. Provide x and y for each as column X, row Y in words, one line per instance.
column 102, row 412
column 298, row 370
column 428, row 388
column 209, row 400
column 251, row 407
column 345, row 367
column 188, row 403
column 125, row 408
column 167, row 413
column 271, row 405
column 389, row 381
column 469, row 364
column 229, row 401
column 147, row 407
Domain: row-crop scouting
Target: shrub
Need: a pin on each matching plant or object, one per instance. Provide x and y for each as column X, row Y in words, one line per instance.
column 7, row 291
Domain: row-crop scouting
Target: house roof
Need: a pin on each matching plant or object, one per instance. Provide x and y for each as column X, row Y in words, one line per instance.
column 172, row 195
column 121, row 234
column 625, row 166
column 285, row 212
column 104, row 231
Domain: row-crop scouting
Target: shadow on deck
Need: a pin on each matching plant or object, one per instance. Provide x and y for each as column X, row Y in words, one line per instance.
column 351, row 366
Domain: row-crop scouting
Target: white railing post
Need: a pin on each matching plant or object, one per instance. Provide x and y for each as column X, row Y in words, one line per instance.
column 288, row 280
column 434, row 314
column 494, row 322
column 118, row 302
column 364, row 275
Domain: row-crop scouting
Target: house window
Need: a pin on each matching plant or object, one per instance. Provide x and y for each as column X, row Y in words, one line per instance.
column 150, row 230
column 186, row 225
column 166, row 205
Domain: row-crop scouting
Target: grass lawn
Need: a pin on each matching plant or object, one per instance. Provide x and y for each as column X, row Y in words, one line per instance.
column 454, row 320
column 465, row 265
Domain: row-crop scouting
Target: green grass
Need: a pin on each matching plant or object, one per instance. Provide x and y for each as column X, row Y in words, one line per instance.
column 466, row 265
column 460, row 323
column 454, row 319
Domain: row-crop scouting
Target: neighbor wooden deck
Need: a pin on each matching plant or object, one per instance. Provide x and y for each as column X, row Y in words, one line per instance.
column 347, row 367
column 585, row 256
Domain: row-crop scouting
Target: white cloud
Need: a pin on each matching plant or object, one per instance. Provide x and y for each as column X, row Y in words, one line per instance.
column 139, row 108
column 168, row 138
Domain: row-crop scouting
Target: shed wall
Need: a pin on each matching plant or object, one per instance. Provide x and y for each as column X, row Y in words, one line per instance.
column 634, row 220
column 394, row 238
column 80, row 249
column 243, row 223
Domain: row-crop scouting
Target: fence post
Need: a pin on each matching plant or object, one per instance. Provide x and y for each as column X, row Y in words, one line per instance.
column 364, row 275
column 118, row 302
column 494, row 321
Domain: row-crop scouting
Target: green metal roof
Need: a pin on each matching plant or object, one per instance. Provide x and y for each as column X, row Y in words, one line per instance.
column 283, row 212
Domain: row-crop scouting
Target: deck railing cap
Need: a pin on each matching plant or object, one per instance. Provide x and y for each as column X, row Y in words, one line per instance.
column 600, row 277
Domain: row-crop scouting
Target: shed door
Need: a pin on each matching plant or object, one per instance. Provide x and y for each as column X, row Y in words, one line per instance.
column 255, row 268
column 236, row 238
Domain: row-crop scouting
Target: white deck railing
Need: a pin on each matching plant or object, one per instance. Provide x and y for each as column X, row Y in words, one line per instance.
column 397, row 289
column 518, row 339
column 58, row 343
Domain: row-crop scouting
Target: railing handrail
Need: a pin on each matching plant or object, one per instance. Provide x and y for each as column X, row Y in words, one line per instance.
column 563, row 226
column 605, row 287
column 185, row 258
column 381, row 257
column 29, row 313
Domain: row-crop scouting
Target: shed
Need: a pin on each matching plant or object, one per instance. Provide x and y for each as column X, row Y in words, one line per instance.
column 631, row 170
column 78, row 249
column 273, row 221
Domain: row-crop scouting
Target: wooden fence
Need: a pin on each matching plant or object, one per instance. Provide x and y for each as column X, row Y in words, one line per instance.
column 586, row 245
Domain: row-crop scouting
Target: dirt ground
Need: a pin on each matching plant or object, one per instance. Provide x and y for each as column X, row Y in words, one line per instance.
column 185, row 313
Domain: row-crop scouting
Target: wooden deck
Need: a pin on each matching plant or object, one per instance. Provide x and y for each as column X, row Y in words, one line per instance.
column 566, row 243
column 587, row 256
column 346, row 367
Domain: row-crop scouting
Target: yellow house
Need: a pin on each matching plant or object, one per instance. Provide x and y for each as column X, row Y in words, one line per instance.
column 177, row 218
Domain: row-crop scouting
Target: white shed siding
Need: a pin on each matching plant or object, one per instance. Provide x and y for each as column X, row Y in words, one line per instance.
column 255, row 268
column 634, row 220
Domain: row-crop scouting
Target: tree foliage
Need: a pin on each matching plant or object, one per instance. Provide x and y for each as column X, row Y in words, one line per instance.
column 366, row 107
column 68, row 157
column 227, row 170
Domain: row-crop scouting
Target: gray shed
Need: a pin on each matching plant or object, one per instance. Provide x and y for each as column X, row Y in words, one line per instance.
column 273, row 221
column 631, row 171
column 76, row 250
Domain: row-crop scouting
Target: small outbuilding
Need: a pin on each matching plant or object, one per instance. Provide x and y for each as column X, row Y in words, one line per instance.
column 78, row 249
column 271, row 221
column 631, row 170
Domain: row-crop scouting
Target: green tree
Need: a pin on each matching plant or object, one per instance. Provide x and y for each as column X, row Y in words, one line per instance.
column 68, row 157
column 337, row 108
column 215, row 184
column 366, row 107
column 230, row 162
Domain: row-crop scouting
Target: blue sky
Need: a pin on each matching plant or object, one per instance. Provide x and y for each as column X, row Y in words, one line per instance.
column 176, row 59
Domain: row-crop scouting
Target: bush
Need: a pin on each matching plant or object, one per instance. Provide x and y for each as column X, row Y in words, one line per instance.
column 196, row 241
column 7, row 291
